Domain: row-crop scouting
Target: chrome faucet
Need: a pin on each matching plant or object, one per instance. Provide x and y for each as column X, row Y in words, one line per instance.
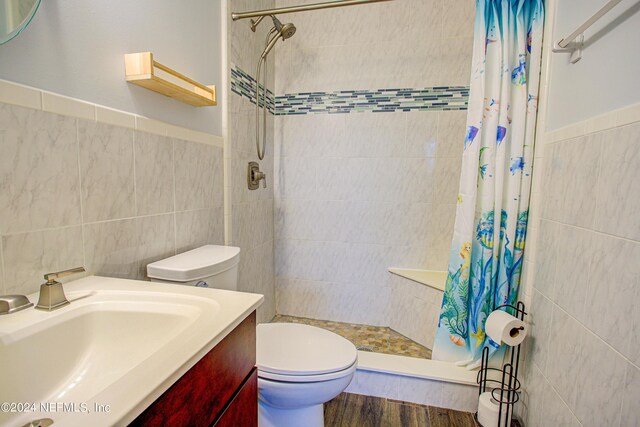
column 52, row 295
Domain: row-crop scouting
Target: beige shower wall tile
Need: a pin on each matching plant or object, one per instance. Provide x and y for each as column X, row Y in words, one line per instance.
column 106, row 170
column 456, row 61
column 451, row 133
column 154, row 171
column 28, row 256
column 422, row 134
column 39, row 184
column 457, row 18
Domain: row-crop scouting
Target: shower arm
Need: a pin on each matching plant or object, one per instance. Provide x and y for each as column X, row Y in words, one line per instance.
column 302, row 8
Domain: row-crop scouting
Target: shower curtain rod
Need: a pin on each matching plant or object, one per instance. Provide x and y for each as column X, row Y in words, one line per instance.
column 302, row 8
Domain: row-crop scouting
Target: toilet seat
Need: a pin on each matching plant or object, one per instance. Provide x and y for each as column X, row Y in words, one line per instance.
column 307, row 378
column 291, row 352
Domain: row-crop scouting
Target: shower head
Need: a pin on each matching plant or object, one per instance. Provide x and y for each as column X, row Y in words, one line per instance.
column 285, row 31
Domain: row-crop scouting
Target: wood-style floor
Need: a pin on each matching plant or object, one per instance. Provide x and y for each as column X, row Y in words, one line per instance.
column 354, row 410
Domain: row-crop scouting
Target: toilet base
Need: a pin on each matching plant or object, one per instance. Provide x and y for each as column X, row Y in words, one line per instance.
column 309, row 416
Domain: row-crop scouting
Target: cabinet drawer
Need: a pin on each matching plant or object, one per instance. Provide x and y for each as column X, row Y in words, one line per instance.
column 243, row 410
column 199, row 396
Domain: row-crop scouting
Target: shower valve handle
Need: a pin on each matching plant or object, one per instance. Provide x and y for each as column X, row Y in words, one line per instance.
column 260, row 176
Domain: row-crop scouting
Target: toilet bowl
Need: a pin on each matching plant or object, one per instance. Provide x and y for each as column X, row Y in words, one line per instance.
column 300, row 367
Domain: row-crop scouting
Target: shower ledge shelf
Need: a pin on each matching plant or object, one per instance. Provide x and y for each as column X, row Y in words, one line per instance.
column 432, row 278
column 141, row 70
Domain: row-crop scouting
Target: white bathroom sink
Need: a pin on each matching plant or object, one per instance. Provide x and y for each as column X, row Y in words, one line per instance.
column 120, row 343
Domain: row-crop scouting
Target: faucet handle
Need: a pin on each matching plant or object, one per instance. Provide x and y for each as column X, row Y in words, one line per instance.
column 51, row 277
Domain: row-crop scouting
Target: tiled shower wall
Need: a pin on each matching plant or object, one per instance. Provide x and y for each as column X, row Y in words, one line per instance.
column 359, row 192
column 583, row 358
column 78, row 192
column 251, row 212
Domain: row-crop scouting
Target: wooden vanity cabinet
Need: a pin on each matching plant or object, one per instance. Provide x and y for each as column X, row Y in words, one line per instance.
column 219, row 390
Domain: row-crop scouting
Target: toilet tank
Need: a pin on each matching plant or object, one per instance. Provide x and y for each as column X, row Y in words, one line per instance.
column 209, row 266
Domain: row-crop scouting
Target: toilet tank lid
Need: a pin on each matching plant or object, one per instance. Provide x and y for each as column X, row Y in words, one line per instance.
column 195, row 264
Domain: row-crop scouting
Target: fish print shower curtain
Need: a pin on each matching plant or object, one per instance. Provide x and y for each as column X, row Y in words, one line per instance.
column 493, row 202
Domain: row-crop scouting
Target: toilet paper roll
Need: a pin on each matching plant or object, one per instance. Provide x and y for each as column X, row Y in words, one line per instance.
column 502, row 327
column 488, row 409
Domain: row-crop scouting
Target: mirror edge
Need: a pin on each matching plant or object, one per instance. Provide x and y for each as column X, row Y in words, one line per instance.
column 24, row 24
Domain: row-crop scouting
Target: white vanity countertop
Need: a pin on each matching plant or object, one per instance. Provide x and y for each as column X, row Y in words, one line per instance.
column 120, row 343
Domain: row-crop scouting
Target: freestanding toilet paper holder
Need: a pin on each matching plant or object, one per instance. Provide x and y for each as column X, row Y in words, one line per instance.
column 505, row 390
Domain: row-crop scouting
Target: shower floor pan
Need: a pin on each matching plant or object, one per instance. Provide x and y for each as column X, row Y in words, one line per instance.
column 376, row 339
column 393, row 366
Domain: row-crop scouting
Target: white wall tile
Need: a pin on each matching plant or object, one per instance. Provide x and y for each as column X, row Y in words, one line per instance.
column 546, row 258
column 613, row 292
column 199, row 227
column 111, row 248
column 156, row 240
column 555, row 411
column 40, row 215
column 28, row 256
column 154, row 173
column 39, row 185
column 600, row 378
column 572, row 268
column 195, row 183
column 571, row 176
column 106, row 171
column 538, row 342
column 630, row 414
column 565, row 348
column 618, row 190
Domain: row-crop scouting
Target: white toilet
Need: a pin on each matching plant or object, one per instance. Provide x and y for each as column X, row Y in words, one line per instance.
column 300, row 367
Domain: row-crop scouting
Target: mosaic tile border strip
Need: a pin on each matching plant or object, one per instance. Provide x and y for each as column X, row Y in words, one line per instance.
column 376, row 101
column 440, row 98
column 244, row 85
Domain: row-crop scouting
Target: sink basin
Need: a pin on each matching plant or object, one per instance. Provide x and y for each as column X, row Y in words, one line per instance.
column 120, row 343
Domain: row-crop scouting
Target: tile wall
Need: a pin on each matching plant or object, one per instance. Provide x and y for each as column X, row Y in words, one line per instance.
column 250, row 213
column 358, row 193
column 76, row 192
column 414, row 309
column 582, row 277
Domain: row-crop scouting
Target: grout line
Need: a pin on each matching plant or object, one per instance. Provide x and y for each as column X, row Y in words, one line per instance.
column 175, row 217
column 135, row 176
column 546, row 380
column 588, row 329
column 62, row 227
column 84, row 254
column 3, row 276
column 600, row 233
